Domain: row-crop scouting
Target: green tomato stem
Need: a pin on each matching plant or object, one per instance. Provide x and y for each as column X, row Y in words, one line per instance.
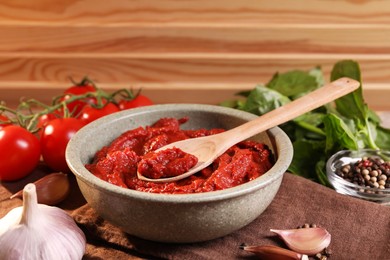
column 27, row 117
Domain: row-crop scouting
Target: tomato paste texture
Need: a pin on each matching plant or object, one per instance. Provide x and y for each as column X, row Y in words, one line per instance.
column 117, row 163
column 166, row 163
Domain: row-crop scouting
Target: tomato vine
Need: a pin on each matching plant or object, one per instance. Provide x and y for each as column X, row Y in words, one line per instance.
column 52, row 125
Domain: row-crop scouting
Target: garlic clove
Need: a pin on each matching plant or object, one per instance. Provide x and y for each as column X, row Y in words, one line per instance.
column 271, row 252
column 38, row 231
column 11, row 219
column 309, row 241
column 51, row 189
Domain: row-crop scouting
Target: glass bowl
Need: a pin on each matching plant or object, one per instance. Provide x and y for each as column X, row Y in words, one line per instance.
column 345, row 157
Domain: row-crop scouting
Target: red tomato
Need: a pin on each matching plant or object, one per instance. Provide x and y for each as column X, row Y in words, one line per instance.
column 19, row 152
column 54, row 139
column 89, row 113
column 43, row 121
column 76, row 106
column 4, row 121
column 138, row 101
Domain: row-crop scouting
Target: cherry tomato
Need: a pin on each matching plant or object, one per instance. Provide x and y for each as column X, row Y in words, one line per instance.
column 54, row 140
column 19, row 152
column 138, row 101
column 4, row 121
column 43, row 121
column 76, row 106
column 89, row 113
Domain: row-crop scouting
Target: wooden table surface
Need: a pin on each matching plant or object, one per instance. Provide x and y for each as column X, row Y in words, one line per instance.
column 187, row 51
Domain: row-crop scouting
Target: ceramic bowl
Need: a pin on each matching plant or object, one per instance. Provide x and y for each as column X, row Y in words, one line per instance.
column 341, row 158
column 176, row 218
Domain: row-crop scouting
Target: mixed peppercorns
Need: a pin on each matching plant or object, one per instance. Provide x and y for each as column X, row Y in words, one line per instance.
column 369, row 172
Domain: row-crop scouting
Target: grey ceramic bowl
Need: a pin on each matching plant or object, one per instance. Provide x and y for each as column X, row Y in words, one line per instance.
column 177, row 218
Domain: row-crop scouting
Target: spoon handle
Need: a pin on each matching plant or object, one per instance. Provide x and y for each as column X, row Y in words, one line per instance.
column 304, row 104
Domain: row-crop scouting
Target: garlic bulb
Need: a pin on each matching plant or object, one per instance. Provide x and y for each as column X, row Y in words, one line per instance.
column 37, row 231
column 309, row 241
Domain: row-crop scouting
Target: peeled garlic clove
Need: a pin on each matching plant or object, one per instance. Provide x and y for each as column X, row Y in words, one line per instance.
column 309, row 241
column 51, row 189
column 270, row 252
column 38, row 231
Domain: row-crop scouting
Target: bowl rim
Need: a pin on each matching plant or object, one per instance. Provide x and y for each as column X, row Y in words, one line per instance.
column 333, row 176
column 285, row 155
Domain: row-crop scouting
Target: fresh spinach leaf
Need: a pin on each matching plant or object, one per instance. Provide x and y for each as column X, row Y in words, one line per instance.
column 293, row 83
column 383, row 137
column 312, row 122
column 318, row 75
column 230, row 103
column 338, row 135
column 321, row 172
column 347, row 123
column 306, row 155
column 351, row 105
column 262, row 100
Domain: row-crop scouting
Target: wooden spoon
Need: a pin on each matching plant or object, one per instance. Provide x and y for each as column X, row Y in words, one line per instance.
column 208, row 148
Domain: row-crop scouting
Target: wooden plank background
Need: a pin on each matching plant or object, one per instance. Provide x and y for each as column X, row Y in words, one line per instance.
column 193, row 51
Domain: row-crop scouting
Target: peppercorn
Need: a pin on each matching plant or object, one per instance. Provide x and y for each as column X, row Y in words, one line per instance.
column 307, row 225
column 369, row 172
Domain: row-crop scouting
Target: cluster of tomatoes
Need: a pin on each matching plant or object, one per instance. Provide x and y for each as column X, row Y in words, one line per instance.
column 26, row 139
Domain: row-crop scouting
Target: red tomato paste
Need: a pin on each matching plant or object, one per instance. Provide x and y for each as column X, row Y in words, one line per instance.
column 117, row 163
column 166, row 163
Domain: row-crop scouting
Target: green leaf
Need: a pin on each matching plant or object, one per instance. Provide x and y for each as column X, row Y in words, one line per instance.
column 319, row 76
column 347, row 123
column 244, row 93
column 346, row 68
column 351, row 105
column 373, row 116
column 306, row 154
column 312, row 118
column 321, row 173
column 383, row 138
column 293, row 83
column 312, row 122
column 262, row 100
column 230, row 103
column 338, row 134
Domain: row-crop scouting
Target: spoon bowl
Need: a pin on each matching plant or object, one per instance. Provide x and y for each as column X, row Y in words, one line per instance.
column 208, row 148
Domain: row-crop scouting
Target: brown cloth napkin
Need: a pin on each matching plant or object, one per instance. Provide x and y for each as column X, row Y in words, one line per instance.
column 359, row 229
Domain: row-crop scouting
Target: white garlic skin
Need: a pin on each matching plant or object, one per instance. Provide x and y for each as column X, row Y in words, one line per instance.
column 38, row 231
